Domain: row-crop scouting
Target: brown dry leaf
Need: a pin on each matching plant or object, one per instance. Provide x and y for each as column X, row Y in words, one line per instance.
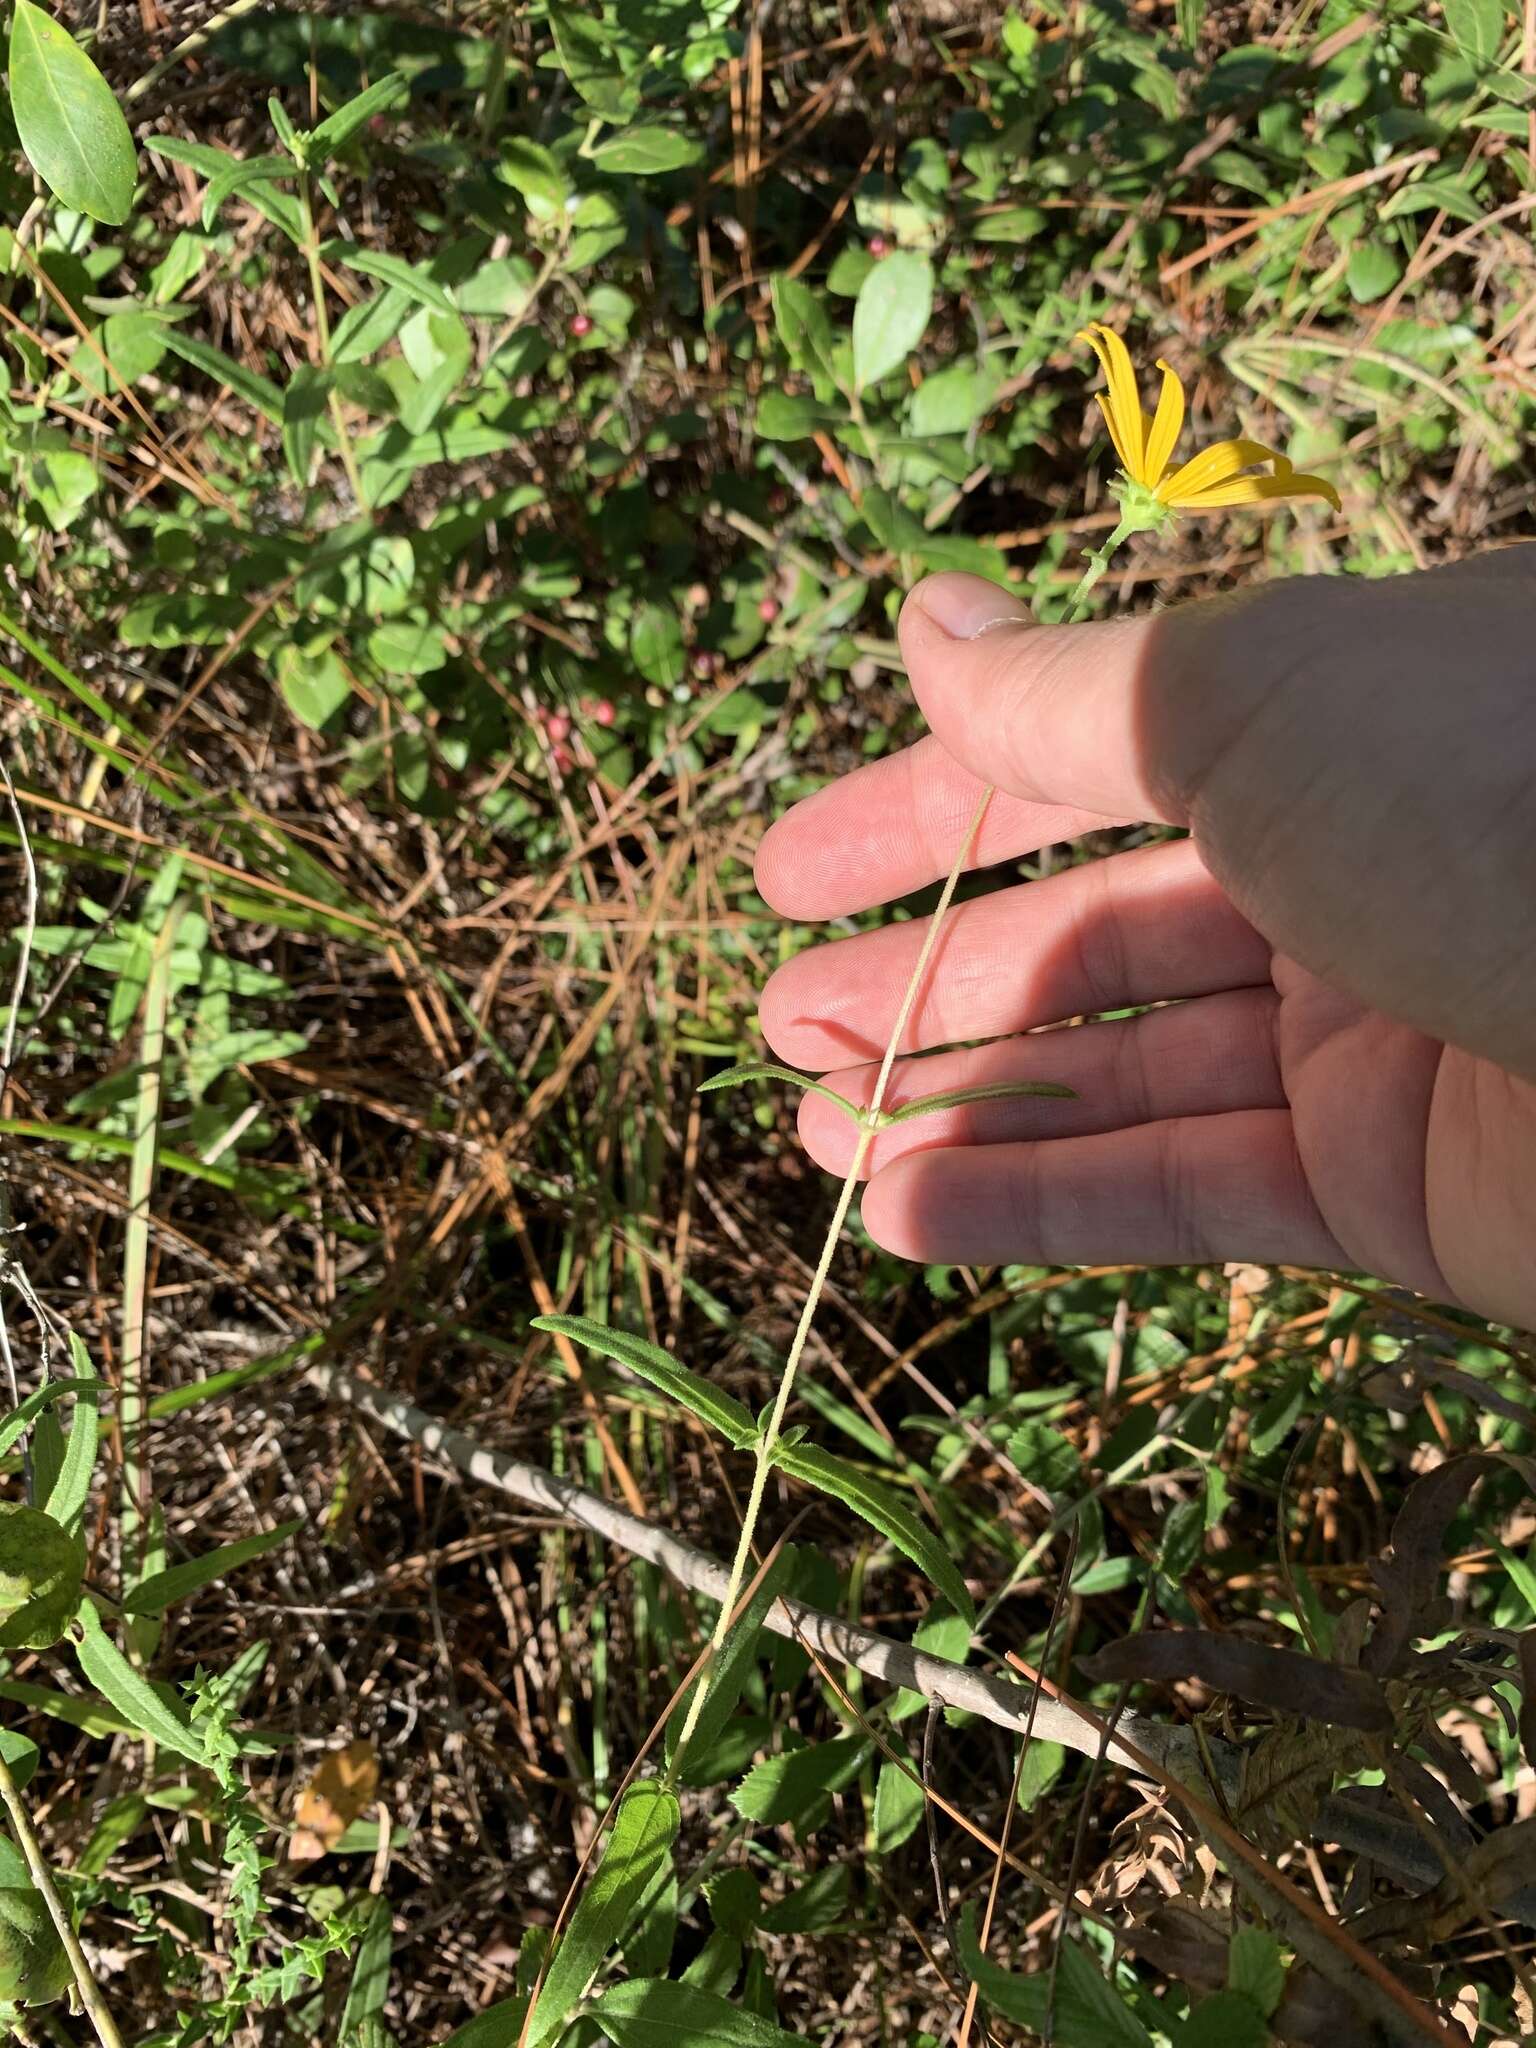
column 340, row 1792
column 1286, row 1680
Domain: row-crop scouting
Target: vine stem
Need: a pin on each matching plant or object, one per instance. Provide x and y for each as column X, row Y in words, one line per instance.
column 42, row 1877
column 767, row 1442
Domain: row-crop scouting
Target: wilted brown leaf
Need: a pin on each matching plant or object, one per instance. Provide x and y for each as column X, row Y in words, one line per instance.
column 1285, row 1680
column 340, row 1792
column 1408, row 1577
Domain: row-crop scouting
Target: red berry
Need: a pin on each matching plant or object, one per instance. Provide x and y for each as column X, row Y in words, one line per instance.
column 602, row 712
column 581, row 323
column 558, row 726
column 877, row 246
column 706, row 662
column 767, row 609
column 561, row 756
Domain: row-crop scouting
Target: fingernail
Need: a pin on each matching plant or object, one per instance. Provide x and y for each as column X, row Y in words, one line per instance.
column 965, row 607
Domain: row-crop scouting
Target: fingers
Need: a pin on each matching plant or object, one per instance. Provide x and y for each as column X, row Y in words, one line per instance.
column 893, row 826
column 1192, row 1059
column 1052, row 714
column 1179, row 1192
column 1142, row 927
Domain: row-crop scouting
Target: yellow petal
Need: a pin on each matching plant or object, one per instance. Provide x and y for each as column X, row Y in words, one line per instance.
column 1163, row 434
column 1122, row 406
column 1214, row 465
column 1250, row 490
column 1102, row 400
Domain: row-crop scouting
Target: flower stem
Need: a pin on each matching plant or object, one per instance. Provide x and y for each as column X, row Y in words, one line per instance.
column 869, row 1122
column 37, row 1869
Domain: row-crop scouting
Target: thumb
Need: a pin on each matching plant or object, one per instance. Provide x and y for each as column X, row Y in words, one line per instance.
column 1056, row 714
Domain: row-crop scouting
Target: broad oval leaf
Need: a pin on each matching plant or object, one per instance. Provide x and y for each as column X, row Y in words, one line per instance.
column 890, row 315
column 71, row 127
column 638, row 1850
column 700, row 1396
column 647, row 149
column 884, row 1512
column 789, row 1788
column 652, row 2012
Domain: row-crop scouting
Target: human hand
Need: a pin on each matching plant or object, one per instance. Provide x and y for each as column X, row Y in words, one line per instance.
column 1345, row 1072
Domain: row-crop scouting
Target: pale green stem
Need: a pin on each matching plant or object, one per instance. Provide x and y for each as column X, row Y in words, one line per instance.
column 37, row 1868
column 869, row 1123
column 323, row 335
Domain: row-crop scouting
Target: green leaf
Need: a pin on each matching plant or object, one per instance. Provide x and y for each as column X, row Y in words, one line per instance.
column 1228, row 2020
column 985, row 1091
column 66, row 1498
column 22, row 1417
column 1183, row 1539
column 20, row 1754
column 1043, row 1765
column 313, row 682
column 767, row 1070
column 648, row 149
column 1256, row 1968
column 71, row 127
column 408, row 647
column 899, row 1804
column 241, row 174
column 884, row 1512
column 656, row 642
column 817, row 1904
column 304, row 404
column 115, row 1679
column 370, row 1971
column 257, row 391
column 1476, row 27
column 890, row 315
column 1373, row 269
column 729, row 1674
column 1088, row 2011
column 587, row 49
column 534, row 171
column 408, row 278
column 337, row 129
column 786, row 416
column 700, row 1396
column 1274, row 1420
column 651, row 2012
column 163, row 1589
column 803, row 327
column 1045, row 1456
column 793, row 1787
column 637, row 1852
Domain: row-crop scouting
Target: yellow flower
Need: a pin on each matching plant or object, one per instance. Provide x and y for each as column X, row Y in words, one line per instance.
column 1208, row 481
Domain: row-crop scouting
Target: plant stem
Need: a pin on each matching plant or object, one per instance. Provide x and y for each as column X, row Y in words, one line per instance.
column 42, row 1877
column 767, row 1443
column 323, row 335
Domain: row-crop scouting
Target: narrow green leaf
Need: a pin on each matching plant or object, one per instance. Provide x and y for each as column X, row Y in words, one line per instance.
column 700, row 1396
column 408, row 278
column 65, row 1500
column 370, row 1972
column 1256, row 1968
column 1087, row 2011
column 22, row 1417
column 986, row 1091
column 899, row 1806
column 115, row 1679
column 256, row 390
column 768, row 1070
column 304, row 404
column 161, row 1590
column 20, row 1754
column 884, row 1512
column 652, row 2012
column 890, row 315
column 71, row 127
column 337, row 129
column 639, row 1848
column 731, row 1669
column 240, row 175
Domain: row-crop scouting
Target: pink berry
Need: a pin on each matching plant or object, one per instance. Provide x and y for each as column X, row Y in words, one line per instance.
column 581, row 323
column 558, row 726
column 602, row 712
column 706, row 662
column 877, row 246
column 561, row 756
column 767, row 609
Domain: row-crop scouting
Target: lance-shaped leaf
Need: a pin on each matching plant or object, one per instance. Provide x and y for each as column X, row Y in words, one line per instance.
column 700, row 1396
column 984, row 1091
column 880, row 1508
column 766, row 1070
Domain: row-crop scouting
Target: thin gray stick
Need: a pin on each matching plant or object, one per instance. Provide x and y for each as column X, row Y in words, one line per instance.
column 951, row 1685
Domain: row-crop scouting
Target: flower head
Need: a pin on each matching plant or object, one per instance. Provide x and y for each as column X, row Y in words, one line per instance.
column 1153, row 489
